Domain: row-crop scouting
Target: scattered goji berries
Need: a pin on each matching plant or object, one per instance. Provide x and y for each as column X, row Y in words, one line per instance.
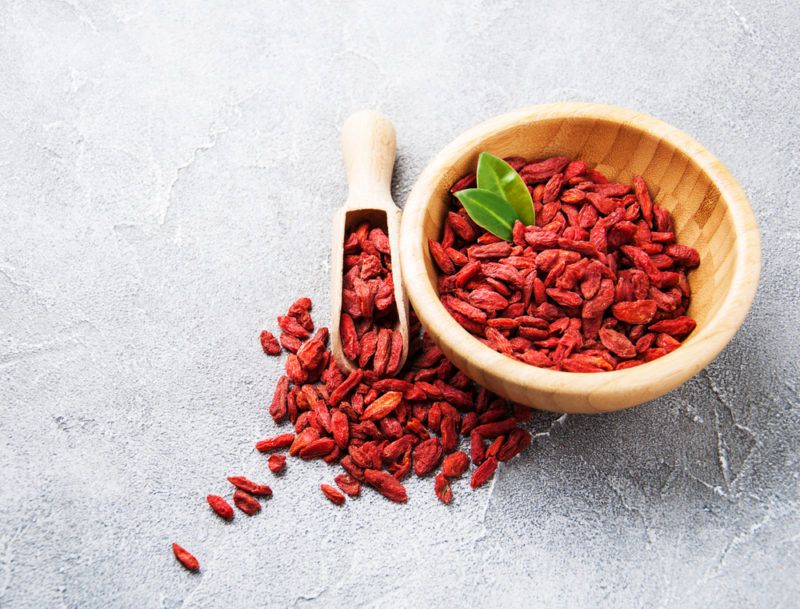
column 583, row 289
column 380, row 421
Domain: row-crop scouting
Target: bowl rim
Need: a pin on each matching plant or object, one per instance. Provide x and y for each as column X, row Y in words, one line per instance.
column 646, row 381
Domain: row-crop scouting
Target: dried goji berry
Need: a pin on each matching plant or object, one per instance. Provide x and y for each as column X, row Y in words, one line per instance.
column 291, row 326
column 269, row 343
column 261, row 490
column 383, row 406
column 349, row 338
column 395, row 353
column 461, row 227
column 290, row 343
column 311, row 353
column 586, row 363
column 449, row 434
column 348, row 484
column 484, row 472
column 346, row 386
column 382, row 351
column 277, row 408
column 617, row 343
column 427, row 455
column 295, row 371
column 340, row 428
column 455, row 464
column 351, row 468
column 303, row 439
column 542, row 170
column 443, row 490
column 386, row 484
column 317, row 448
column 477, row 449
column 276, row 463
column 186, row 558
column 334, row 496
column 276, row 443
column 465, row 182
column 679, row 326
column 222, row 508
column 246, row 502
column 517, row 441
column 440, row 257
column 495, row 428
column 643, row 198
column 635, row 312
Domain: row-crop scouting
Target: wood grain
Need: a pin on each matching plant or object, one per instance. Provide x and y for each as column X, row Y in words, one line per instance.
column 711, row 212
column 368, row 148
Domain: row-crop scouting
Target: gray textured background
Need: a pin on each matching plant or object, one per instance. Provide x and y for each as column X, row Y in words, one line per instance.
column 167, row 175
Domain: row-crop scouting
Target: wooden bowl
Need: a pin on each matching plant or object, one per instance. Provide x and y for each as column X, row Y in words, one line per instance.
column 711, row 214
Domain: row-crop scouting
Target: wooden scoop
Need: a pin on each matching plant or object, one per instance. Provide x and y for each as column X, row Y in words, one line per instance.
column 368, row 148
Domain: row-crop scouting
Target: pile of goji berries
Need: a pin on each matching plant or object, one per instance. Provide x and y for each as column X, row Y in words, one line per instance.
column 597, row 284
column 377, row 423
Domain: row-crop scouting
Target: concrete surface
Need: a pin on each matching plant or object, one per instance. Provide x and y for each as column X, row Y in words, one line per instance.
column 167, row 173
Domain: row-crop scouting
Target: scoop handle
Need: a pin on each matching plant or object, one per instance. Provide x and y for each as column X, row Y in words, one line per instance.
column 369, row 145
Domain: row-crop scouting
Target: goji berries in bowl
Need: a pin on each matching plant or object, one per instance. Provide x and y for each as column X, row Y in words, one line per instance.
column 711, row 216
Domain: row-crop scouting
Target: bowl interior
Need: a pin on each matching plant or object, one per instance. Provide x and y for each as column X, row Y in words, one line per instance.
column 619, row 150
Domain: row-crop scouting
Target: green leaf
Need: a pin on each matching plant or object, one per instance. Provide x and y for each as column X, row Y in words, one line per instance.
column 496, row 175
column 489, row 210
